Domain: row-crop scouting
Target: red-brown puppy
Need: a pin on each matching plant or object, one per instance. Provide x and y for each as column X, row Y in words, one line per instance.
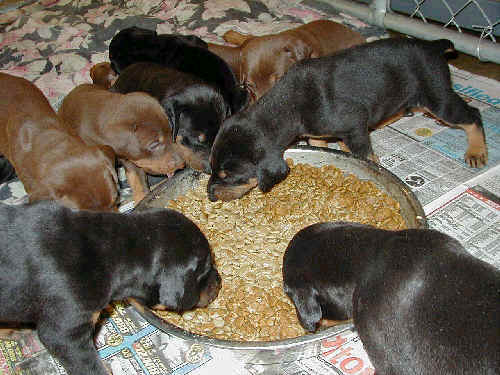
column 51, row 163
column 103, row 75
column 134, row 125
column 259, row 61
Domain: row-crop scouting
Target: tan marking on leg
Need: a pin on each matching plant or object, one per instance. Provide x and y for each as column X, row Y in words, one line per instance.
column 374, row 158
column 343, row 146
column 476, row 155
column 95, row 318
column 317, row 142
column 326, row 323
column 477, row 152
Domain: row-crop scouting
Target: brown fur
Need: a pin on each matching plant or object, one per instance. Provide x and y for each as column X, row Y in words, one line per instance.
column 51, row 163
column 259, row 61
column 103, row 75
column 134, row 125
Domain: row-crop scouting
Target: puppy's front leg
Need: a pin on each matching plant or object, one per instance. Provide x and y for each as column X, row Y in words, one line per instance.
column 137, row 180
column 71, row 342
column 356, row 135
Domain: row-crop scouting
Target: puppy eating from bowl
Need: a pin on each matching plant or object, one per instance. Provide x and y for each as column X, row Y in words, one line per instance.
column 420, row 303
column 195, row 108
column 60, row 267
column 339, row 96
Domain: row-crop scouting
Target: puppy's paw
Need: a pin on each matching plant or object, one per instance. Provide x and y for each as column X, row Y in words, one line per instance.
column 476, row 157
column 374, row 158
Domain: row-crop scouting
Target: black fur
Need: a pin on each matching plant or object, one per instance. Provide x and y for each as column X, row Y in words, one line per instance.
column 421, row 304
column 7, row 171
column 194, row 108
column 135, row 44
column 339, row 96
column 58, row 267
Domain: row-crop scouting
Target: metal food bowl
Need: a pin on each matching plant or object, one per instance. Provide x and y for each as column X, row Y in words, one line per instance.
column 273, row 354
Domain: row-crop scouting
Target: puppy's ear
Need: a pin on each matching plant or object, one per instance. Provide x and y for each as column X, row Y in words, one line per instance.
column 270, row 171
column 298, row 50
column 171, row 107
column 307, row 306
column 177, row 290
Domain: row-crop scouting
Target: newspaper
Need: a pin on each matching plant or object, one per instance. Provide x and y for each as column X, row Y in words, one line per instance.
column 428, row 157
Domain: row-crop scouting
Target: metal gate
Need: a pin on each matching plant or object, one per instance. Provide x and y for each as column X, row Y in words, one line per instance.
column 472, row 25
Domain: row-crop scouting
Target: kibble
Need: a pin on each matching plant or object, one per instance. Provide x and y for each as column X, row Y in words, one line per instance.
column 249, row 237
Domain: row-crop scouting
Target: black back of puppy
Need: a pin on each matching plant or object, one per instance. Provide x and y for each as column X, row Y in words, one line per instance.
column 420, row 302
column 138, row 45
column 195, row 109
column 135, row 44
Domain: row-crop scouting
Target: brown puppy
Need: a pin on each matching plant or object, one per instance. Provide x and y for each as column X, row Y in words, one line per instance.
column 51, row 163
column 103, row 75
column 133, row 125
column 259, row 61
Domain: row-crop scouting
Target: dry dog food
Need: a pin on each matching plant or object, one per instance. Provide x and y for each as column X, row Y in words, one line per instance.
column 249, row 237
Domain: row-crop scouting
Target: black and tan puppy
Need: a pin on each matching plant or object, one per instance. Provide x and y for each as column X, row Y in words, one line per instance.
column 421, row 304
column 340, row 96
column 183, row 53
column 60, row 267
column 194, row 108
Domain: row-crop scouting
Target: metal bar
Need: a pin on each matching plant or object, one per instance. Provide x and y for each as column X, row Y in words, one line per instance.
column 483, row 49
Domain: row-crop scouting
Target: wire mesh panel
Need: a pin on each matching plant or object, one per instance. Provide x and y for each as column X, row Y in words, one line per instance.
column 482, row 15
column 472, row 25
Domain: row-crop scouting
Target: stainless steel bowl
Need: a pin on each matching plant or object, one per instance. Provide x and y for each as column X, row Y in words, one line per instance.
column 275, row 353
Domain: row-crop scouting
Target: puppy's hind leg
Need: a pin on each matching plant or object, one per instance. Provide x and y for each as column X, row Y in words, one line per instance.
column 455, row 112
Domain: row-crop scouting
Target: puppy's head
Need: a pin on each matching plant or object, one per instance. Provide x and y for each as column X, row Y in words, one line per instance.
column 131, row 45
column 68, row 181
column 242, row 159
column 264, row 60
column 317, row 272
column 103, row 75
column 186, row 273
column 143, row 134
column 195, row 115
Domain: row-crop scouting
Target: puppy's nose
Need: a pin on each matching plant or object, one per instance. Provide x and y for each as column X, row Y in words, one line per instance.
column 211, row 290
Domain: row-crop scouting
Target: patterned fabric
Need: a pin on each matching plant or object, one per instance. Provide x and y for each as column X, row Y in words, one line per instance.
column 55, row 43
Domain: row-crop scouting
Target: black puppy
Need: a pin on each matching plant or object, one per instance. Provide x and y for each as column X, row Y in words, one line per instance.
column 7, row 171
column 340, row 96
column 421, row 304
column 194, row 108
column 59, row 268
column 135, row 44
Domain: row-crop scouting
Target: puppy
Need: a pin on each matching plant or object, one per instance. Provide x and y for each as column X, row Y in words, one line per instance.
column 7, row 171
column 340, row 96
column 421, row 304
column 135, row 44
column 259, row 61
column 59, row 268
column 133, row 125
column 50, row 162
column 103, row 75
column 194, row 108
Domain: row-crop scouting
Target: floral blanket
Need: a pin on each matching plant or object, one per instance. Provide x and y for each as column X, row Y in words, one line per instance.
column 54, row 43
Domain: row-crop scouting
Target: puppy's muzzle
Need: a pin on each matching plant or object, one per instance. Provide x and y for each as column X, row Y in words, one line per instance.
column 211, row 289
